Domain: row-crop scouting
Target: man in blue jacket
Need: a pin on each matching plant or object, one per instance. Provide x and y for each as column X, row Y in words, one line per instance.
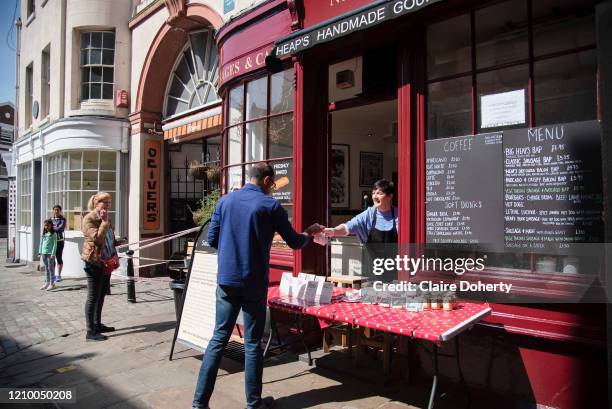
column 241, row 229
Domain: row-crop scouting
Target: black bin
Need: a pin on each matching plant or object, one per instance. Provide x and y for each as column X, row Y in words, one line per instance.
column 177, row 287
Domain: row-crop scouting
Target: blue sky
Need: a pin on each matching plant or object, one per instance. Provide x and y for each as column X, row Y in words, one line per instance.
column 7, row 56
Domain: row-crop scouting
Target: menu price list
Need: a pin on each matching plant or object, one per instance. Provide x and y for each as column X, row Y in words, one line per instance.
column 552, row 185
column 463, row 188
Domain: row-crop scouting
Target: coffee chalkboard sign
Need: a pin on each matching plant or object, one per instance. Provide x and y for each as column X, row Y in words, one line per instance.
column 464, row 190
column 552, row 185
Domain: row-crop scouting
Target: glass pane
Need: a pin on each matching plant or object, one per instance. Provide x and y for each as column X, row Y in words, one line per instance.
column 108, row 57
column 85, row 91
column 501, row 33
column 96, row 74
column 85, row 40
column 90, row 181
column 234, row 145
column 565, row 88
column 85, row 77
column 281, row 136
column 107, row 181
column 199, row 43
column 177, row 89
column 96, row 91
column 109, row 40
column 95, row 57
column 449, row 108
column 183, row 73
column 107, row 75
column 96, row 40
column 107, row 91
column 74, row 201
column 255, row 141
column 84, row 57
column 75, row 160
column 562, row 25
column 75, row 180
column 499, row 81
column 257, row 98
column 281, row 92
column 449, row 48
column 64, row 161
column 236, row 105
column 90, row 160
column 234, row 178
column 107, row 160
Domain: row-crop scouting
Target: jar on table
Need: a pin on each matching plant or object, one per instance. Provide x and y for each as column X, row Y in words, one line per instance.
column 449, row 302
column 435, row 302
column 426, row 297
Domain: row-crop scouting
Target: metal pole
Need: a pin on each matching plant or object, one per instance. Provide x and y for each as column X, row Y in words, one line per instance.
column 131, row 290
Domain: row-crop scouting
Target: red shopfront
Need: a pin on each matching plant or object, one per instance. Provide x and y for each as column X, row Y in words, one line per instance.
column 365, row 97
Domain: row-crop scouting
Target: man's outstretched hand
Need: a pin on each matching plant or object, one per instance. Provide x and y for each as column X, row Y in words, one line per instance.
column 314, row 229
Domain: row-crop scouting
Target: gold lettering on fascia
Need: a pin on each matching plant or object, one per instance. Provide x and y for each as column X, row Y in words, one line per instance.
column 237, row 67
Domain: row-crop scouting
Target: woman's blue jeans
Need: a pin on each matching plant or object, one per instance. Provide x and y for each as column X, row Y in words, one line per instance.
column 230, row 300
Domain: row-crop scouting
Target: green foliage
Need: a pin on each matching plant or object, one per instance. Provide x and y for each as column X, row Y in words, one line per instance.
column 207, row 207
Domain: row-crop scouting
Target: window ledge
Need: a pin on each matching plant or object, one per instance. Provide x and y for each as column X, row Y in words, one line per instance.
column 97, row 104
column 31, row 18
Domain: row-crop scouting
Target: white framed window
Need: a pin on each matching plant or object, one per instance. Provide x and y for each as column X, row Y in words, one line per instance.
column 46, row 81
column 74, row 176
column 25, row 194
column 195, row 76
column 29, row 93
column 97, row 65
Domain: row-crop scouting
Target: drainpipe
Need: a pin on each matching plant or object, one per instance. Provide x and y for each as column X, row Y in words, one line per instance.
column 15, row 132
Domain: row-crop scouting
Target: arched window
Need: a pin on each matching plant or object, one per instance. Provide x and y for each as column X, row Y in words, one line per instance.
column 193, row 82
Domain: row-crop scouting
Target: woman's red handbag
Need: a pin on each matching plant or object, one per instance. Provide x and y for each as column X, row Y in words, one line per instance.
column 111, row 264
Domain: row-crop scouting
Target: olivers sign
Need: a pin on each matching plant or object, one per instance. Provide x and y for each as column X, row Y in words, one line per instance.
column 151, row 174
column 362, row 19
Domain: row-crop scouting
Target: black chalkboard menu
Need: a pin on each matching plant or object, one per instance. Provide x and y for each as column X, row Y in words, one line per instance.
column 552, row 185
column 464, row 190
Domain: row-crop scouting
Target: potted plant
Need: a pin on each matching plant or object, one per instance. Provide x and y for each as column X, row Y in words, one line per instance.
column 207, row 207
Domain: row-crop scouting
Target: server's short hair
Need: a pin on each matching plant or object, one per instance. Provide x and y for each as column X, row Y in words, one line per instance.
column 57, row 207
column 384, row 186
column 259, row 171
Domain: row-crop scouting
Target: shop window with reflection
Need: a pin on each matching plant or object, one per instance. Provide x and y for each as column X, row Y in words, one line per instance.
column 73, row 177
column 519, row 70
column 259, row 128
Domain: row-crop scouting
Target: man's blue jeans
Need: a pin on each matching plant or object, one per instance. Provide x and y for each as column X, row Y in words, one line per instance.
column 229, row 302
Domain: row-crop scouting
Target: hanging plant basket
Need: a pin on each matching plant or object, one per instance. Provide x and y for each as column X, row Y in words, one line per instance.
column 213, row 174
column 197, row 170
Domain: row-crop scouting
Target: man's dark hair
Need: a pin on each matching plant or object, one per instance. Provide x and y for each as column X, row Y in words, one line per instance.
column 260, row 170
column 57, row 207
column 384, row 186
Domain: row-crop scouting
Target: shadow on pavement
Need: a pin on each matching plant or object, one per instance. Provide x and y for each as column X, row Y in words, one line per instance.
column 30, row 368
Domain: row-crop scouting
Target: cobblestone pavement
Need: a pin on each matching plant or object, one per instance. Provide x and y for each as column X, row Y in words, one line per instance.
column 30, row 316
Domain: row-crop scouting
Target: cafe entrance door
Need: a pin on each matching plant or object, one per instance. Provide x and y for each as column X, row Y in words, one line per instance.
column 363, row 149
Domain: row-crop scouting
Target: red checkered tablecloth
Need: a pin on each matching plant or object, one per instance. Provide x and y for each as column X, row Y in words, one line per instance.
column 432, row 325
column 440, row 325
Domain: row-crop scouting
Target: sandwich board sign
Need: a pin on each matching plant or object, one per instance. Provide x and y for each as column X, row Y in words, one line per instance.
column 197, row 318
